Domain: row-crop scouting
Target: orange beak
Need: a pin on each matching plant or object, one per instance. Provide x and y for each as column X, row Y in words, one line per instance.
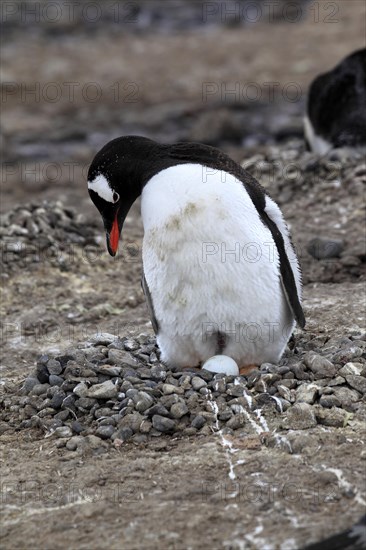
column 113, row 237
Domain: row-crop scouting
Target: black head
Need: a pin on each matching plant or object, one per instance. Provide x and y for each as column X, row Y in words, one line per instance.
column 116, row 178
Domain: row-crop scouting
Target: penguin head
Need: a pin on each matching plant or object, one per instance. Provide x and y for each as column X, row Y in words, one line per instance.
column 115, row 180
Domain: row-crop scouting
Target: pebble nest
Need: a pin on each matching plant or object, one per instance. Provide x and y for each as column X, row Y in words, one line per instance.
column 116, row 390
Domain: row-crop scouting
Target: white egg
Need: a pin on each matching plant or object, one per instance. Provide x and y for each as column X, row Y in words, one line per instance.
column 221, row 363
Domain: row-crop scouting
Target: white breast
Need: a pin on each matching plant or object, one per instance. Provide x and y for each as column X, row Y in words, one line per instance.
column 212, row 266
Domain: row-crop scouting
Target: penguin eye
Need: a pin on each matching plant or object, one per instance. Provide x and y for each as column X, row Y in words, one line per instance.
column 115, row 196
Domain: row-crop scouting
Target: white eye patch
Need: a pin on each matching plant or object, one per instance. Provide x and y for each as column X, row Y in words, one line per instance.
column 100, row 186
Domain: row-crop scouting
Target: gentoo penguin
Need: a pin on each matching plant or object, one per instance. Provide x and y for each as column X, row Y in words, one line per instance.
column 220, row 274
column 336, row 107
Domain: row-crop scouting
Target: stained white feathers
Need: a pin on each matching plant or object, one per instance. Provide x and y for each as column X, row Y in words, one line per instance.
column 212, row 267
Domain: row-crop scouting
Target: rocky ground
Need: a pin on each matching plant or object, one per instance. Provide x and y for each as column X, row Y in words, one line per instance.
column 102, row 445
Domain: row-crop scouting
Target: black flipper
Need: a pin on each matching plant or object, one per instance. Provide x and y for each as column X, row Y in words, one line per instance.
column 287, row 275
column 150, row 306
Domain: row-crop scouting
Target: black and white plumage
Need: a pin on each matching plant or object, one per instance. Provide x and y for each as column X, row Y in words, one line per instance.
column 336, row 107
column 219, row 267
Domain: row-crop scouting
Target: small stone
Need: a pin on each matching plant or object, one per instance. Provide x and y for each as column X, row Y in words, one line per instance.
column 131, row 345
column 85, row 403
column 236, row 421
column 39, row 389
column 357, row 382
column 69, row 402
column 144, row 401
column 168, row 389
column 300, row 417
column 109, row 370
column 236, row 390
column 74, row 442
column 55, row 380
column 145, row 426
column 320, row 366
column 178, row 410
column 77, row 427
column 226, row 414
column 105, row 390
column 157, row 409
column 347, row 354
column 306, row 393
column 81, row 390
column 329, row 401
column 163, row 424
column 63, row 431
column 29, row 384
column 346, row 396
column 102, row 339
column 351, row 369
column 122, row 357
column 41, row 369
column 334, row 417
column 57, row 400
column 198, row 383
column 198, row 422
column 123, row 434
column 285, row 392
column 322, row 248
column 54, row 367
column 105, row 432
column 158, row 373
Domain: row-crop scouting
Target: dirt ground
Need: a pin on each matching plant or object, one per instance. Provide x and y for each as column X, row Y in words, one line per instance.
column 170, row 493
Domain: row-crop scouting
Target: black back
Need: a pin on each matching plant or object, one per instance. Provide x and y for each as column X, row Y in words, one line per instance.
column 337, row 102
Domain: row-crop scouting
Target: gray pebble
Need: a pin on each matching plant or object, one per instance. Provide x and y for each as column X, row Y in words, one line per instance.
column 63, row 431
column 178, row 410
column 163, row 424
column 75, row 442
column 81, row 389
column 329, row 401
column 29, row 384
column 77, row 427
column 300, row 417
column 322, row 248
column 55, row 380
column 236, row 421
column 124, row 433
column 351, row 369
column 105, row 432
column 306, row 393
column 319, row 365
column 169, row 389
column 109, row 370
column 158, row 373
column 106, row 390
column 357, row 382
column 157, row 409
column 198, row 422
column 198, row 383
column 131, row 345
column 102, row 339
column 54, row 367
column 334, row 417
column 122, row 357
column 144, row 401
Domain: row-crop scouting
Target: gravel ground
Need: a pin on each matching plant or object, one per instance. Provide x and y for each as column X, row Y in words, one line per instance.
column 102, row 445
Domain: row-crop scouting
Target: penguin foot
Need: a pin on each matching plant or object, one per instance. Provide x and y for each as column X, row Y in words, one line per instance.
column 246, row 369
